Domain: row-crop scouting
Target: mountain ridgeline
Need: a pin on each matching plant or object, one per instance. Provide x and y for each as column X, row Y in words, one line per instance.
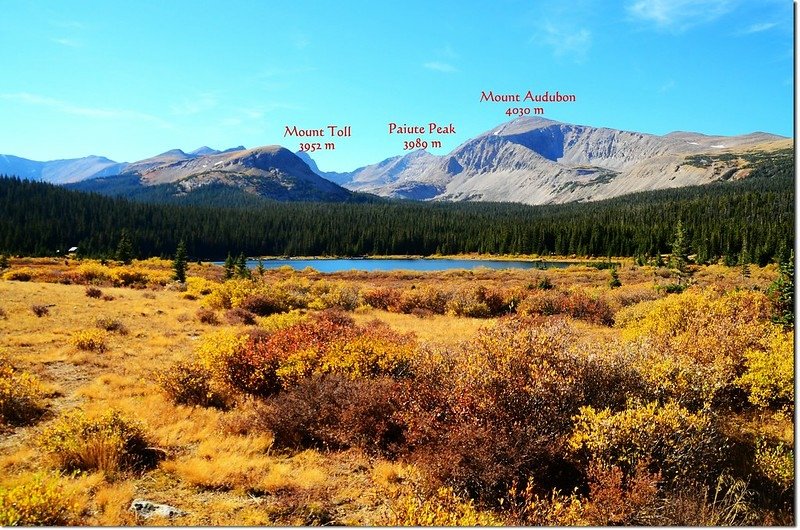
column 541, row 161
column 528, row 160
column 270, row 172
column 751, row 218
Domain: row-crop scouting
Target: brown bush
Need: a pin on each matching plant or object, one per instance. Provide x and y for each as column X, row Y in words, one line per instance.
column 238, row 316
column 93, row 292
column 496, row 410
column 207, row 316
column 188, row 383
column 427, row 297
column 113, row 325
column 20, row 396
column 263, row 304
column 40, row 310
column 334, row 412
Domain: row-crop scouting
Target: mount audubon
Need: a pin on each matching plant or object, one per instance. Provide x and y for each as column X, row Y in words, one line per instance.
column 528, row 160
column 541, row 161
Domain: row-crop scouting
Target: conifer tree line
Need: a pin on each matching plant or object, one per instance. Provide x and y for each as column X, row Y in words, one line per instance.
column 750, row 221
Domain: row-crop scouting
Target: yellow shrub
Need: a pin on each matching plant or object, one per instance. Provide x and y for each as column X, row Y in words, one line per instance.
column 216, row 349
column 769, row 375
column 700, row 324
column 141, row 273
column 23, row 274
column 328, row 294
column 91, row 340
column 20, row 396
column 159, row 277
column 154, row 263
column 776, row 463
column 366, row 356
column 676, row 377
column 200, row 286
column 90, row 271
column 298, row 365
column 281, row 320
column 294, row 291
column 553, row 510
column 679, row 442
column 230, row 294
column 443, row 508
column 39, row 502
column 691, row 346
column 109, row 443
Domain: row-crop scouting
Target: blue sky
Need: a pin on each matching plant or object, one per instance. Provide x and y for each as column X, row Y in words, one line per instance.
column 130, row 80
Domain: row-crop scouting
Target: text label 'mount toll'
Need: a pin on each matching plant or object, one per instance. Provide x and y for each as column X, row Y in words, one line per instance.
column 333, row 130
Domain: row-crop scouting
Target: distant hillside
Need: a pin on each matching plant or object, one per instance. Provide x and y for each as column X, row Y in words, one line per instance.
column 59, row 171
column 270, row 172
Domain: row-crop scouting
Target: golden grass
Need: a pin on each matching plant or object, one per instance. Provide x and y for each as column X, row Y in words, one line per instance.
column 442, row 329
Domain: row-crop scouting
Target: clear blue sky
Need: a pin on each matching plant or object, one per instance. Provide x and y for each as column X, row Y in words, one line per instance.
column 132, row 79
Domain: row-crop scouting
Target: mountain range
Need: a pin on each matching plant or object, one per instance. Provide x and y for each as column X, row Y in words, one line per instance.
column 541, row 161
column 528, row 160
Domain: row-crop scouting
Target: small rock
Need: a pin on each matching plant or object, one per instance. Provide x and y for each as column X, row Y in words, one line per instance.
column 147, row 509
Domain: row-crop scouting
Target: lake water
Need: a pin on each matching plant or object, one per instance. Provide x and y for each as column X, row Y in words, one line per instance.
column 420, row 265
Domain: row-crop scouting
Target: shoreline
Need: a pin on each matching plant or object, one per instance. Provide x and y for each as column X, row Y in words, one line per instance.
column 465, row 257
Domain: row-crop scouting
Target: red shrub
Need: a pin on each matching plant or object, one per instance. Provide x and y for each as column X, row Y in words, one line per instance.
column 381, row 297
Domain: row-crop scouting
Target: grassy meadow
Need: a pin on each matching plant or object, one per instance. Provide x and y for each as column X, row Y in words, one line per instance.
column 511, row 397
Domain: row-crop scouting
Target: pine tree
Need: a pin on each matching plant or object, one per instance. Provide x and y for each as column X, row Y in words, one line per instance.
column 614, row 281
column 744, row 259
column 678, row 257
column 241, row 266
column 782, row 293
column 179, row 264
column 229, row 266
column 125, row 248
column 260, row 269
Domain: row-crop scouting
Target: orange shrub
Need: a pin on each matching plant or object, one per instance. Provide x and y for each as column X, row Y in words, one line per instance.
column 427, row 297
column 575, row 303
column 385, row 298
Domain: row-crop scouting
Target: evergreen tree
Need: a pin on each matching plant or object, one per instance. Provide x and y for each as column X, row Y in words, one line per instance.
column 744, row 259
column 229, row 266
column 241, row 266
column 614, row 281
column 3, row 261
column 125, row 248
column 678, row 257
column 180, row 263
column 260, row 269
column 782, row 293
